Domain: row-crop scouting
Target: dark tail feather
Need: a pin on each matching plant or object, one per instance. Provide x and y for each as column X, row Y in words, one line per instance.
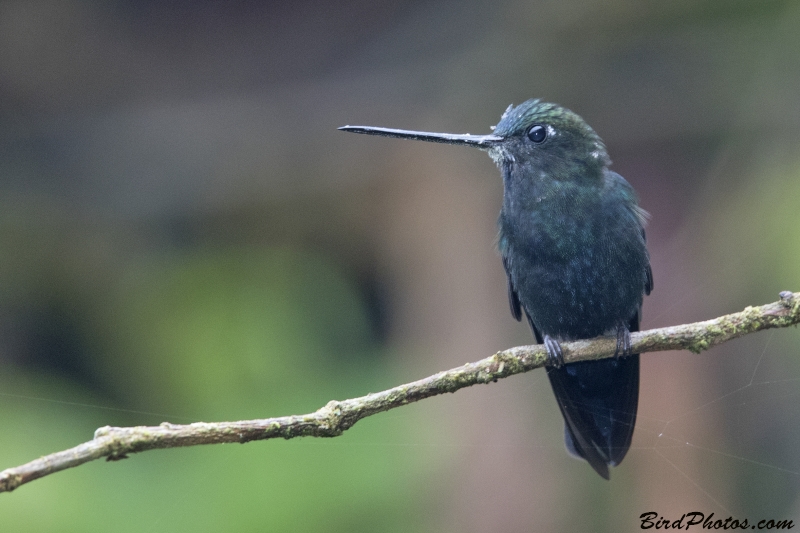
column 598, row 400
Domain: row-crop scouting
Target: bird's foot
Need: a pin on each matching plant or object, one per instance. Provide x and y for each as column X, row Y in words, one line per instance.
column 555, row 357
column 623, row 342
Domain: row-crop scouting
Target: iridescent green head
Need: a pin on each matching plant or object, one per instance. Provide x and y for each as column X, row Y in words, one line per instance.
column 549, row 137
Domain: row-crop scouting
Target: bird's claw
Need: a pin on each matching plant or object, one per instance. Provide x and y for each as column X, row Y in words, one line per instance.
column 555, row 357
column 623, row 342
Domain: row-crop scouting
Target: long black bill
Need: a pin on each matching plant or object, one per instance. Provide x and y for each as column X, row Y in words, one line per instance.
column 479, row 141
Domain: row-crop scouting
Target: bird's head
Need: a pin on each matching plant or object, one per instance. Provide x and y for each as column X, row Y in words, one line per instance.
column 548, row 138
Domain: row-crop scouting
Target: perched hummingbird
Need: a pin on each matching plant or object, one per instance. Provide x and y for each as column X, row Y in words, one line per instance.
column 573, row 246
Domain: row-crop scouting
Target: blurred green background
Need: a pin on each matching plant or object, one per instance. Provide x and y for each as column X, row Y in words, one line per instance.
column 185, row 236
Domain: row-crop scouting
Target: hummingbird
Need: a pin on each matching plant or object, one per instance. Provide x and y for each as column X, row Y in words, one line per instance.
column 572, row 242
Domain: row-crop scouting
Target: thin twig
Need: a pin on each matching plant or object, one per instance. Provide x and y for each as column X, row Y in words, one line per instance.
column 333, row 419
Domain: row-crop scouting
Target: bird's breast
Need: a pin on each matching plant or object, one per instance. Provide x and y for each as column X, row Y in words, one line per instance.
column 578, row 269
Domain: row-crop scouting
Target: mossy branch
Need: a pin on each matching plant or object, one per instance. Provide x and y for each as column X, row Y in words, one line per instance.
column 333, row 419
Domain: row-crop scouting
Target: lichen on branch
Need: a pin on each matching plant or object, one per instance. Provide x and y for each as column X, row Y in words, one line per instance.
column 333, row 419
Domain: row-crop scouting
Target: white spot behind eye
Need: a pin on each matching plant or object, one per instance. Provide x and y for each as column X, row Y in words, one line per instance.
column 550, row 130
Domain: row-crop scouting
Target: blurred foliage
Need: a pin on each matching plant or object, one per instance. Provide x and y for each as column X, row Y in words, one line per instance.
column 184, row 236
column 753, row 234
column 272, row 329
column 754, row 226
column 212, row 335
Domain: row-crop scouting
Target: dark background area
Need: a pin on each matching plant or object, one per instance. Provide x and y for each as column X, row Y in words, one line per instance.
column 185, row 236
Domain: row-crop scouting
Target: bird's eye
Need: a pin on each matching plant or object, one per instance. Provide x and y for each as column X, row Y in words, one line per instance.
column 537, row 133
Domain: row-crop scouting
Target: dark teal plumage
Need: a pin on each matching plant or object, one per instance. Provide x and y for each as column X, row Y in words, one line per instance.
column 573, row 246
